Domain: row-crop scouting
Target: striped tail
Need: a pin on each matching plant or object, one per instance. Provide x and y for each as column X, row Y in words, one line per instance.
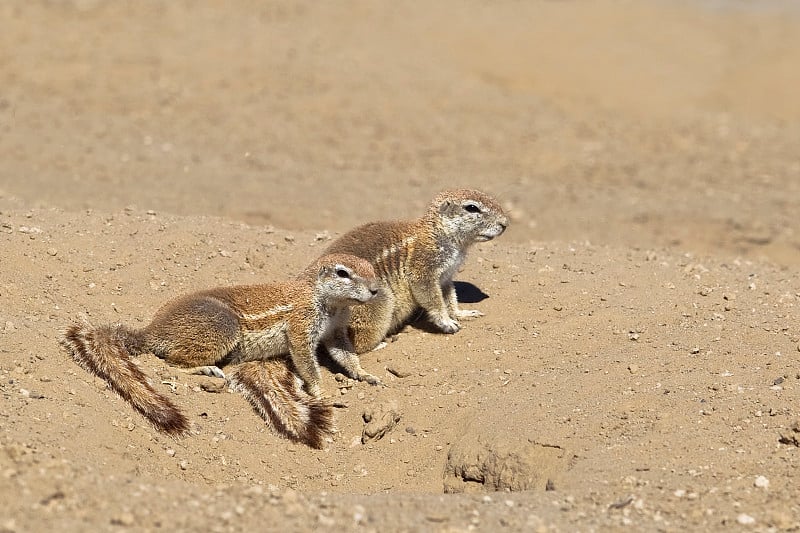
column 277, row 394
column 102, row 351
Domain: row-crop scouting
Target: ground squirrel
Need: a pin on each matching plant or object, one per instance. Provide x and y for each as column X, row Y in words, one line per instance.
column 243, row 325
column 416, row 261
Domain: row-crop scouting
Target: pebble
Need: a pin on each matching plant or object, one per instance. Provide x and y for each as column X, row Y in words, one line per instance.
column 745, row 519
column 398, row 372
column 359, row 514
column 184, row 464
column 761, row 482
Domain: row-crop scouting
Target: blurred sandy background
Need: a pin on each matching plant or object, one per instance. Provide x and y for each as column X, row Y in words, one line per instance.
column 638, row 123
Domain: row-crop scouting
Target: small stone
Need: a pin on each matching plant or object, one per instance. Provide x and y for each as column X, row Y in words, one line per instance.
column 633, row 369
column 398, row 372
column 52, row 252
column 359, row 514
column 170, row 452
column 184, row 464
column 761, row 482
column 745, row 519
column 379, row 421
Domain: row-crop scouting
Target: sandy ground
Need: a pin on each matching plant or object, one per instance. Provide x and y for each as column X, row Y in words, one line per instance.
column 641, row 328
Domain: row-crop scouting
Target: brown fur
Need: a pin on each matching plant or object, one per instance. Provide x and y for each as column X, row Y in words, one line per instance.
column 272, row 389
column 101, row 351
column 238, row 325
column 416, row 261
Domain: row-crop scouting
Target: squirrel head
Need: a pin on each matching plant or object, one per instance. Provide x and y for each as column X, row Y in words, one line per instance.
column 468, row 215
column 343, row 279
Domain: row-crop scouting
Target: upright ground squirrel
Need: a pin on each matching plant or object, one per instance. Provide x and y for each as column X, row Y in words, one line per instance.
column 416, row 261
column 244, row 325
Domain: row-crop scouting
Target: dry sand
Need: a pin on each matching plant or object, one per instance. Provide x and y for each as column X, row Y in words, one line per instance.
column 637, row 364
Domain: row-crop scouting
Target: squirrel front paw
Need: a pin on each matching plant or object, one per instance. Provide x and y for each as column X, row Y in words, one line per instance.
column 369, row 378
column 447, row 325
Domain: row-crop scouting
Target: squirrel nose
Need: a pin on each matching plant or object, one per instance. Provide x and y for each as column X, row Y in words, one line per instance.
column 373, row 291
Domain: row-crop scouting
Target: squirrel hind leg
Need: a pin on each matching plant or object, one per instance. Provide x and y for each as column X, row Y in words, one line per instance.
column 277, row 395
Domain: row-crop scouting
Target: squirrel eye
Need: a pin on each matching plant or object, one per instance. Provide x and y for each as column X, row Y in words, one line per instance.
column 342, row 273
column 471, row 208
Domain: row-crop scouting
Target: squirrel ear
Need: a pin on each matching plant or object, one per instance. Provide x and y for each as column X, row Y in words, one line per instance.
column 448, row 207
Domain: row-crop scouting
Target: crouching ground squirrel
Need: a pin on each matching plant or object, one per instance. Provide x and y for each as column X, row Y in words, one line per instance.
column 247, row 326
column 416, row 261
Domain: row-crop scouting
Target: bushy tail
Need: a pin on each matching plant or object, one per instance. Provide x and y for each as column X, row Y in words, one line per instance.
column 277, row 394
column 103, row 352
